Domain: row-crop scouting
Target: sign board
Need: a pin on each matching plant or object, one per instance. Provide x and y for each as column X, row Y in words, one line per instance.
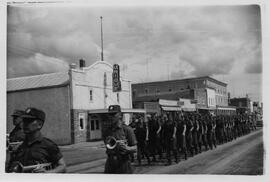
column 116, row 78
column 194, row 101
column 152, row 107
column 181, row 103
column 164, row 102
column 187, row 105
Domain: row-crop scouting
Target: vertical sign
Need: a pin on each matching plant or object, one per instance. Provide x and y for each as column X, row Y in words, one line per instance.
column 116, row 78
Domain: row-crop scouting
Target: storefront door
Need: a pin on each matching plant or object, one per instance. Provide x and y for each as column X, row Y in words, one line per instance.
column 95, row 127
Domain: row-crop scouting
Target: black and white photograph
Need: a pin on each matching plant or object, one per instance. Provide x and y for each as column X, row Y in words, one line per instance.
column 122, row 89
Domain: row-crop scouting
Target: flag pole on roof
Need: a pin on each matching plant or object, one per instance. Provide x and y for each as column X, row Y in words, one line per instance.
column 101, row 39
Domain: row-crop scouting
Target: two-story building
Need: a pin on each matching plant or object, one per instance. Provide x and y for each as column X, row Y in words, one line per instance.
column 208, row 93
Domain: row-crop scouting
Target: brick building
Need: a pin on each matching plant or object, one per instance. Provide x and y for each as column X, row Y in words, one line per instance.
column 75, row 102
column 243, row 104
column 207, row 92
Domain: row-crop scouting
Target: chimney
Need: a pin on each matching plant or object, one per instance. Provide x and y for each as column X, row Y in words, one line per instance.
column 72, row 66
column 82, row 63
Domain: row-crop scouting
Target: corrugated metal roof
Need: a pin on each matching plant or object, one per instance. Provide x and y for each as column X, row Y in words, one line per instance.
column 37, row 81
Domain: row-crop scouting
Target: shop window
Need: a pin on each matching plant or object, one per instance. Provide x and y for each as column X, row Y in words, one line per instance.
column 81, row 121
column 157, row 91
column 91, row 95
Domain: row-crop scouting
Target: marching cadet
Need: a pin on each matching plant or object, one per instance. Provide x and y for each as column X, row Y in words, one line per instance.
column 181, row 136
column 204, row 133
column 195, row 133
column 189, row 139
column 17, row 134
column 209, row 132
column 159, row 136
column 200, row 134
column 118, row 155
column 141, row 136
column 214, row 131
column 35, row 148
column 154, row 129
column 170, row 138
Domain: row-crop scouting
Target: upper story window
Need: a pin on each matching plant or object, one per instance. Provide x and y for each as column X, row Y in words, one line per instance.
column 146, row 91
column 91, row 95
column 170, row 89
column 157, row 91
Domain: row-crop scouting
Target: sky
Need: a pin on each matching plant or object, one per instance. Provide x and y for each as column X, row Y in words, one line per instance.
column 149, row 43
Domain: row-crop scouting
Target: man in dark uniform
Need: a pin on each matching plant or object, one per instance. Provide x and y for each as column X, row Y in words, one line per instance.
column 154, row 137
column 189, row 135
column 181, row 138
column 35, row 148
column 214, row 125
column 141, row 134
column 200, row 133
column 204, row 133
column 209, row 132
column 170, row 138
column 195, row 133
column 17, row 135
column 118, row 160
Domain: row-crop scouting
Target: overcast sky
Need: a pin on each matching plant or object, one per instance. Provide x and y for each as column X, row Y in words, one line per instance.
column 149, row 43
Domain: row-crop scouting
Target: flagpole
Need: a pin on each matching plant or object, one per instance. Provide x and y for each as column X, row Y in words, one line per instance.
column 101, row 39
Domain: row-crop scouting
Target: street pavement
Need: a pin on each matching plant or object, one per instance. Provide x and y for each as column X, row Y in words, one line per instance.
column 243, row 156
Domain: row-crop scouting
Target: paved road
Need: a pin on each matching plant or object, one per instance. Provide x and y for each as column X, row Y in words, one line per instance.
column 241, row 156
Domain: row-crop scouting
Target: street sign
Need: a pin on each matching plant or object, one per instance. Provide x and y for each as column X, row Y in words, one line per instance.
column 116, row 78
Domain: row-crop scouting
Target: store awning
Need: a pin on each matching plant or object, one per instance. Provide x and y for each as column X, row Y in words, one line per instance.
column 226, row 108
column 189, row 109
column 124, row 110
column 171, row 108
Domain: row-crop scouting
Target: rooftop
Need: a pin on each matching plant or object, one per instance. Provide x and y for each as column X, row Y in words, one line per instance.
column 37, row 81
column 186, row 79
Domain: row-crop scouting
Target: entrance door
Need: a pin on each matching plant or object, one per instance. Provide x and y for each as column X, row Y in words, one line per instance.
column 95, row 127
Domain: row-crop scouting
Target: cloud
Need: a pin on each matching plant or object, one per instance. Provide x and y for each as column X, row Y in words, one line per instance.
column 177, row 41
column 36, row 64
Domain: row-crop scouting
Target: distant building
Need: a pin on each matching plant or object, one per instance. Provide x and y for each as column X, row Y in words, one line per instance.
column 243, row 104
column 208, row 93
column 75, row 102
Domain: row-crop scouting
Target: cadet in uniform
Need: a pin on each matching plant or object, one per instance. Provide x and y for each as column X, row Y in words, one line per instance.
column 200, row 134
column 35, row 148
column 189, row 135
column 204, row 133
column 17, row 135
column 209, row 132
column 118, row 158
column 141, row 134
column 181, row 138
column 195, row 133
column 170, row 139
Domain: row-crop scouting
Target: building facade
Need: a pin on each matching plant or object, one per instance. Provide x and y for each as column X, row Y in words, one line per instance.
column 208, row 93
column 243, row 104
column 75, row 102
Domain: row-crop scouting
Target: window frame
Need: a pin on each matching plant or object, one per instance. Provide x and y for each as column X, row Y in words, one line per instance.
column 82, row 116
column 91, row 98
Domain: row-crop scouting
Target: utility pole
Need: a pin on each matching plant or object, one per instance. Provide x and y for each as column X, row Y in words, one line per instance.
column 101, row 39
